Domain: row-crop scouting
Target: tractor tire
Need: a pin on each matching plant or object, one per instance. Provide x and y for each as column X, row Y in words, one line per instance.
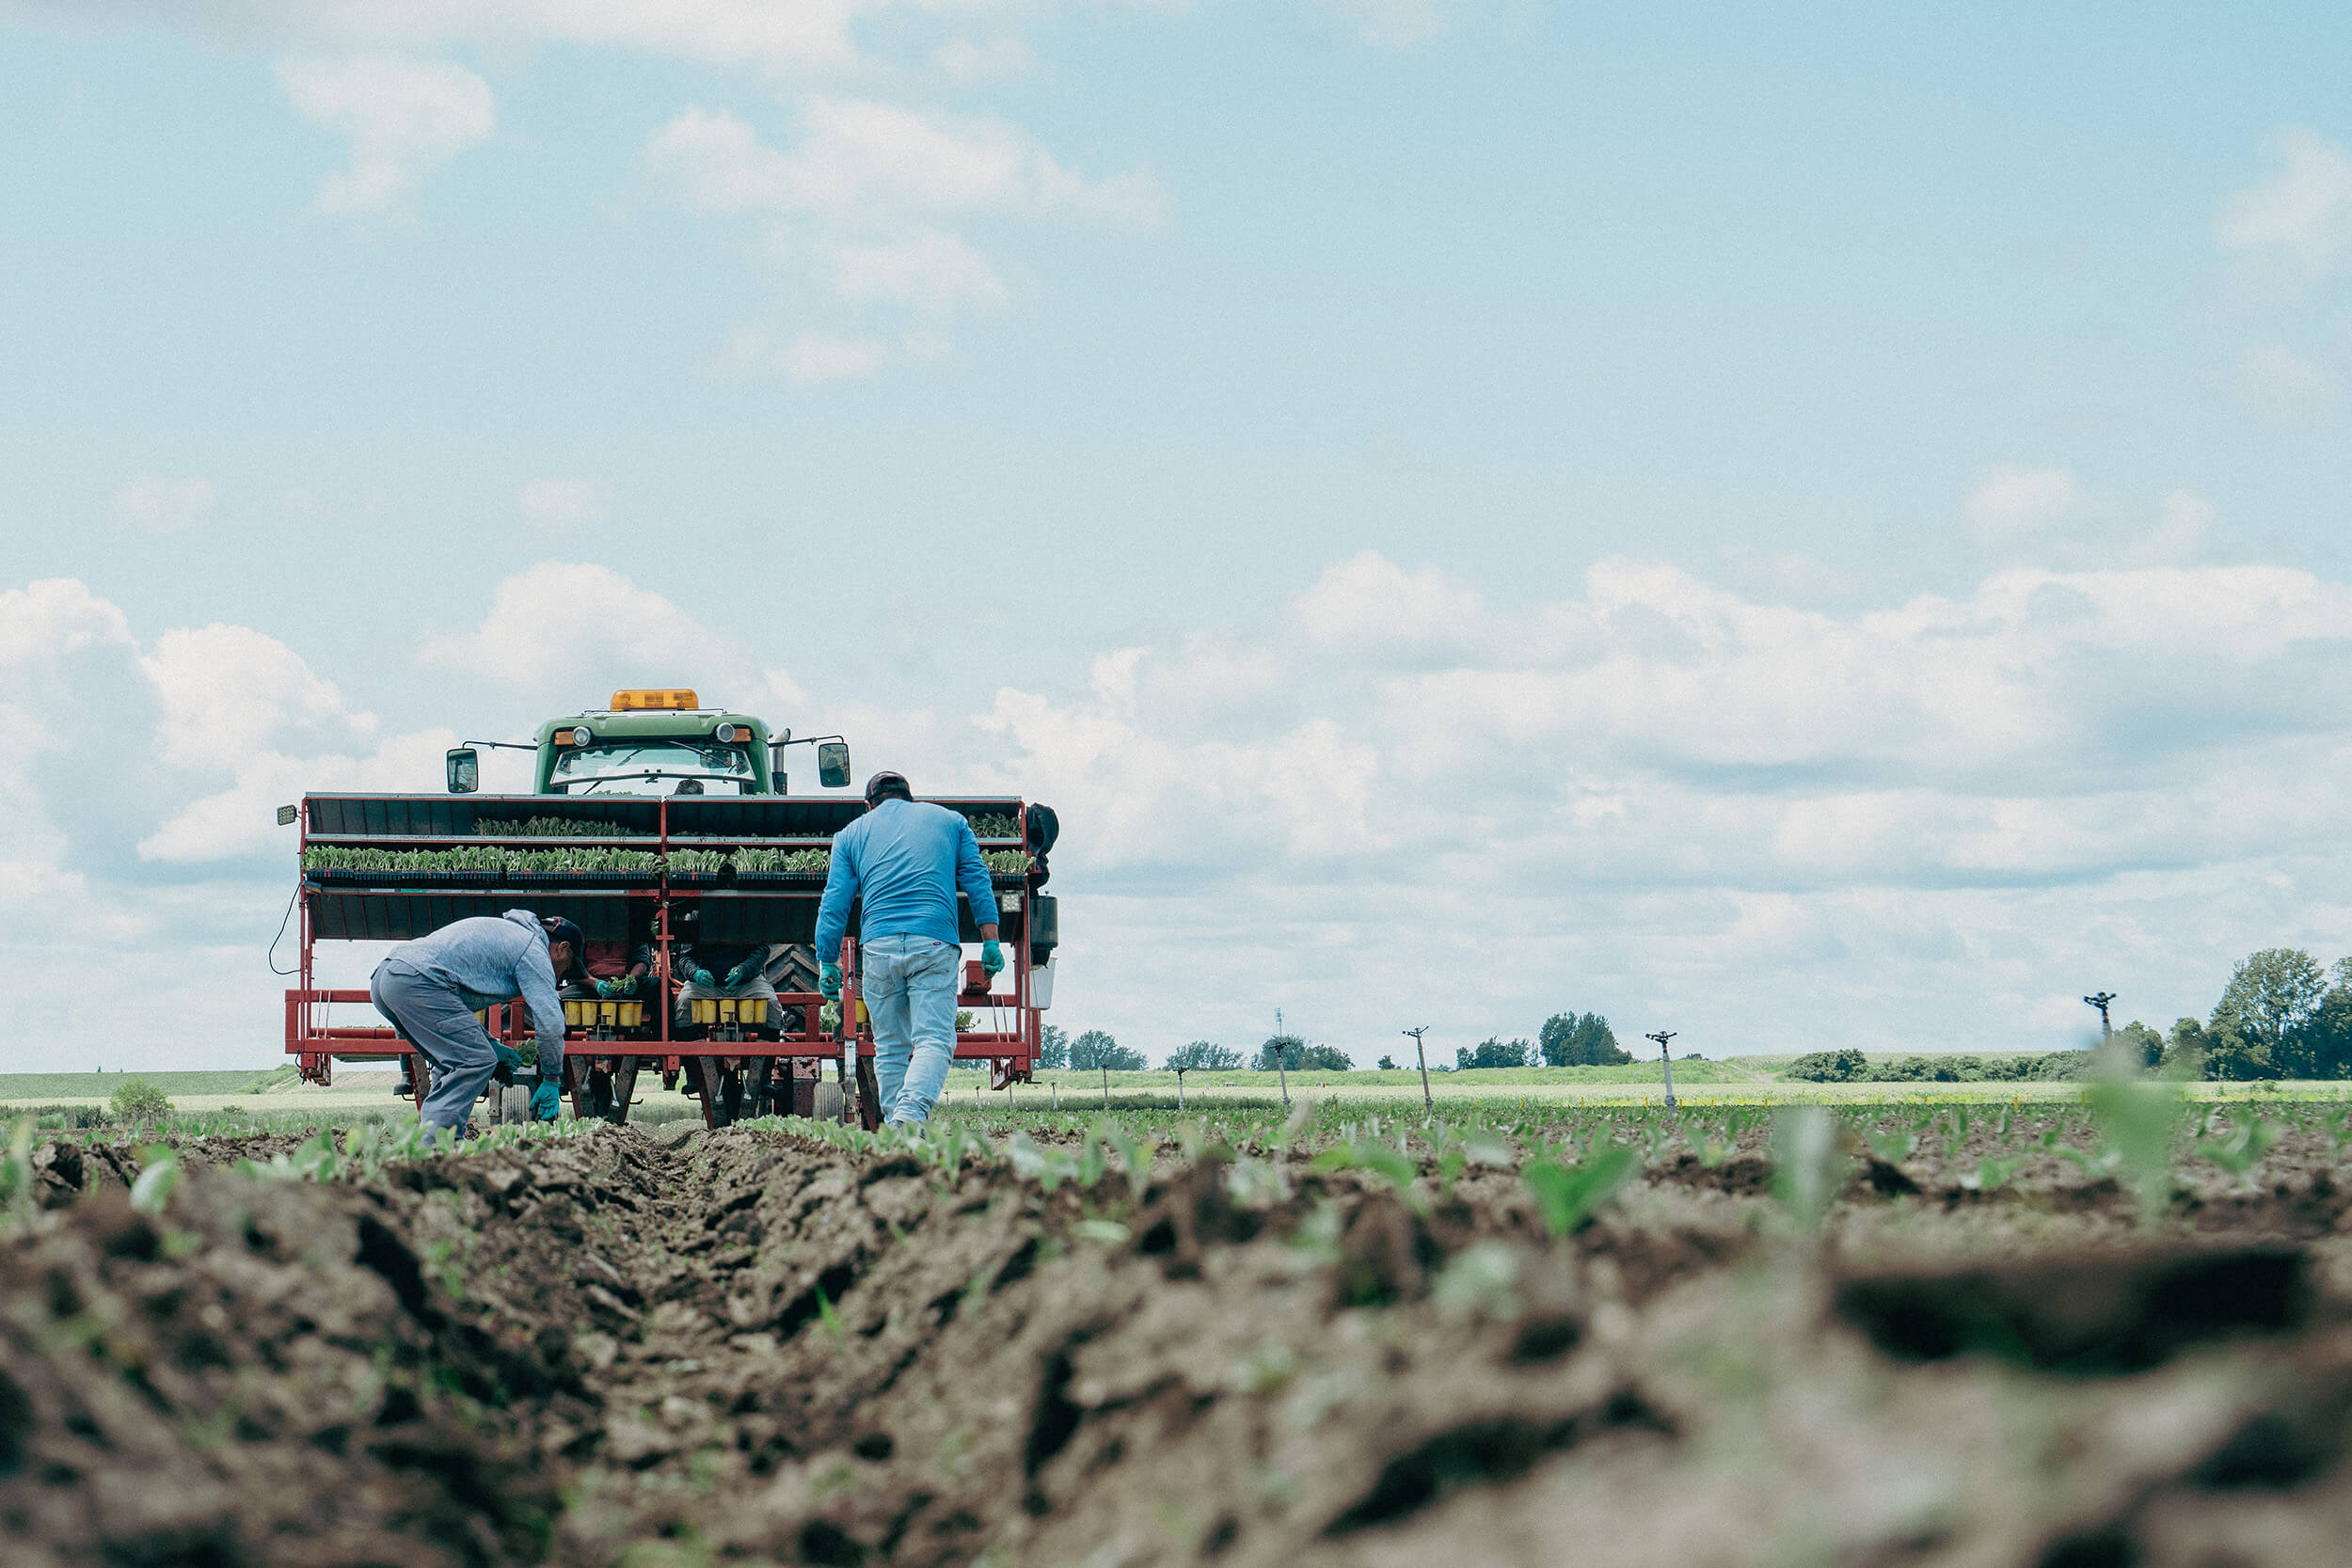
column 511, row 1108
column 826, row 1104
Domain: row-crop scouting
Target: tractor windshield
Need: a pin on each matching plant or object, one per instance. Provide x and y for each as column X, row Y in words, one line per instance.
column 654, row 768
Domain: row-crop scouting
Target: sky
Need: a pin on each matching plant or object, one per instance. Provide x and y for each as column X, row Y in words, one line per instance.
column 1801, row 529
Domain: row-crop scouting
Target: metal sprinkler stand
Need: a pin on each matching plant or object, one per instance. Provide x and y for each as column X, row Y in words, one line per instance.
column 1662, row 1036
column 1180, row 1088
column 1428, row 1104
column 2100, row 1001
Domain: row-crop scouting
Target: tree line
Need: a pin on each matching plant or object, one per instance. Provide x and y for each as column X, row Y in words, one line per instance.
column 1566, row 1040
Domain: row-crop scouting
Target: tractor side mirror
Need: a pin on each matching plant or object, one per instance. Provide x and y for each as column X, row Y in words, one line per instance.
column 465, row 770
column 833, row 764
column 776, row 766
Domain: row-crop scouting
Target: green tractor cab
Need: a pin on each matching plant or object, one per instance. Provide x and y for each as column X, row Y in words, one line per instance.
column 658, row 742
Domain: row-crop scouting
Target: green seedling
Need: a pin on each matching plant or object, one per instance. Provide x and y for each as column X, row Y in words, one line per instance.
column 830, row 1318
column 2242, row 1148
column 1894, row 1147
column 1808, row 1168
column 158, row 1177
column 2139, row 1120
column 1568, row 1195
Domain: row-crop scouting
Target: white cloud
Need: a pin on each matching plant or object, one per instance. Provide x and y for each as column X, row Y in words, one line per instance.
column 868, row 189
column 164, row 505
column 968, row 61
column 1919, row 822
column 927, row 268
column 567, row 633
column 406, row 118
column 556, row 506
column 812, row 359
column 1400, row 24
column 2300, row 217
column 2015, row 503
column 794, row 34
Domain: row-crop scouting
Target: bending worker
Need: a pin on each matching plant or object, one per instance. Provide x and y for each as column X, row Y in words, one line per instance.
column 431, row 987
column 906, row 859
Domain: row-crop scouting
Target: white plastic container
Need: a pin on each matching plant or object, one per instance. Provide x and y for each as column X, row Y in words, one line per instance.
column 1042, row 985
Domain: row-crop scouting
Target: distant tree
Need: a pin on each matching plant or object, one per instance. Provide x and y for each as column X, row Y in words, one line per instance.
column 140, row 1101
column 2140, row 1045
column 1053, row 1048
column 2325, row 1049
column 1491, row 1051
column 2184, row 1051
column 1830, row 1066
column 1569, row 1040
column 1094, row 1049
column 1298, row 1056
column 1278, row 1051
column 2272, row 995
column 1201, row 1053
column 1387, row 1063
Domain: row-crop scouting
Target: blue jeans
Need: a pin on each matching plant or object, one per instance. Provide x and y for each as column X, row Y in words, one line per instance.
column 909, row 984
column 430, row 1016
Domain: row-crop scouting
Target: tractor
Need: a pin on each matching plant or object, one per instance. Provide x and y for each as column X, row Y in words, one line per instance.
column 652, row 822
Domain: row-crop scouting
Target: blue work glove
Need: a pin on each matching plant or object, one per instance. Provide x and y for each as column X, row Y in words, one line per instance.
column 749, row 968
column 828, row 981
column 702, row 977
column 509, row 1062
column 547, row 1101
column 993, row 957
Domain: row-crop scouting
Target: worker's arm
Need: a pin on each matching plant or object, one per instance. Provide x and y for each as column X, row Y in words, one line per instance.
column 833, row 914
column 534, row 982
column 971, row 875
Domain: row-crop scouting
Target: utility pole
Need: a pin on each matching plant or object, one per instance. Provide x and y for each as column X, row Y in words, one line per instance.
column 1422, row 1057
column 2106, row 1029
column 1662, row 1036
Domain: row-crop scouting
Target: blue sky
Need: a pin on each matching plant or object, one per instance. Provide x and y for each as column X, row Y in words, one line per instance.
column 1822, row 525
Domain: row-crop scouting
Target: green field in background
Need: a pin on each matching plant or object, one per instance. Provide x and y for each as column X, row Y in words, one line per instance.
column 67, row 1087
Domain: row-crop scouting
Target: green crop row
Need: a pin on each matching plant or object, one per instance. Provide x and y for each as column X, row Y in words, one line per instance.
column 782, row 859
column 551, row 827
column 481, row 857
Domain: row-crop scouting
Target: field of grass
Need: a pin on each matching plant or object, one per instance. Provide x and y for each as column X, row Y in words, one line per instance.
column 69, row 1088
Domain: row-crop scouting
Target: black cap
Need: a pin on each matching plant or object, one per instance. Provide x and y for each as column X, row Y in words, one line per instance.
column 887, row 783
column 561, row 930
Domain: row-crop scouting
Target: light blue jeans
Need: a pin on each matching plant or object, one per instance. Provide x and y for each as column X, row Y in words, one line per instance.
column 909, row 984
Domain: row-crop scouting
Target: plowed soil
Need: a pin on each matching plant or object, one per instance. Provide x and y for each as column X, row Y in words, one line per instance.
column 746, row 1346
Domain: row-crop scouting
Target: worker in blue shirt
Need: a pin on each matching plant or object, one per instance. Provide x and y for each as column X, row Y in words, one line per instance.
column 906, row 859
column 431, row 987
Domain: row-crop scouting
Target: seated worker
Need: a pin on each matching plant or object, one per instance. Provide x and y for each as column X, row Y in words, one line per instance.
column 613, row 971
column 705, row 969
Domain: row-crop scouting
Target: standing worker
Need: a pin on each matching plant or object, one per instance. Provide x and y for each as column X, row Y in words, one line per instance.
column 431, row 987
column 906, row 859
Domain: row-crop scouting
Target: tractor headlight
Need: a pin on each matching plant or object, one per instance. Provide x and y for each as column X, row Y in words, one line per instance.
column 725, row 735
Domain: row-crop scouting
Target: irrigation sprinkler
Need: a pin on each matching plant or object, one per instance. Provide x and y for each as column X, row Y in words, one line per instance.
column 2106, row 1029
column 1428, row 1104
column 1179, row 1087
column 1106, row 1084
column 1281, row 1072
column 1662, row 1036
